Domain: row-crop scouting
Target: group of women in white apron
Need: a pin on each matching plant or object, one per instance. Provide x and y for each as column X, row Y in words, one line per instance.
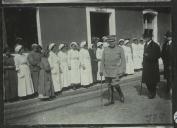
column 70, row 67
column 133, row 54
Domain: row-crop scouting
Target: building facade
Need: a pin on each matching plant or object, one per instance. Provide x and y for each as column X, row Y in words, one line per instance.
column 76, row 22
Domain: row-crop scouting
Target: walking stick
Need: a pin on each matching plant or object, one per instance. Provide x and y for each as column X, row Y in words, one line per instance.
column 101, row 91
column 141, row 87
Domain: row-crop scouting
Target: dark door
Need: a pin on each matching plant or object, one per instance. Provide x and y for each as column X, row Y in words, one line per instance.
column 20, row 23
column 99, row 24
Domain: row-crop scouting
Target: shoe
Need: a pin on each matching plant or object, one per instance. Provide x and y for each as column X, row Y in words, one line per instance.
column 120, row 94
column 122, row 99
column 52, row 97
column 74, row 88
column 40, row 96
column 151, row 96
column 59, row 93
column 109, row 103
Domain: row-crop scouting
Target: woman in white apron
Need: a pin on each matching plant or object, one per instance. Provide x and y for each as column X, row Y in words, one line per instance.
column 55, row 67
column 136, row 53
column 85, row 65
column 121, row 42
column 74, row 65
column 63, row 57
column 99, row 53
column 128, row 57
column 25, row 84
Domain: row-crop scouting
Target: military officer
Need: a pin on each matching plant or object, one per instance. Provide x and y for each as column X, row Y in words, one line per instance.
column 112, row 67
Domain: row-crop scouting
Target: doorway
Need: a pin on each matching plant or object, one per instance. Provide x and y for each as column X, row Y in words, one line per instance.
column 21, row 24
column 99, row 24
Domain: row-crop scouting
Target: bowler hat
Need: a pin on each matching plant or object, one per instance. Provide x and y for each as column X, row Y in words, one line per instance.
column 148, row 33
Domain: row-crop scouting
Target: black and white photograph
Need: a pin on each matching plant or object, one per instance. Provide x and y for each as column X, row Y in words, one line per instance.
column 86, row 62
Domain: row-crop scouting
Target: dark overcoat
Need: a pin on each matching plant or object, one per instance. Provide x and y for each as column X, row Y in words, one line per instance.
column 167, row 54
column 150, row 72
column 45, row 80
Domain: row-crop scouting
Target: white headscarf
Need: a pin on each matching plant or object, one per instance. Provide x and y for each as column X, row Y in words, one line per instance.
column 34, row 45
column 121, row 40
column 61, row 46
column 18, row 48
column 83, row 43
column 51, row 46
column 126, row 41
column 73, row 43
column 99, row 43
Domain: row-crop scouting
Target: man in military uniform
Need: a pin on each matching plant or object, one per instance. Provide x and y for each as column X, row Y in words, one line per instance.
column 112, row 67
column 150, row 74
column 167, row 54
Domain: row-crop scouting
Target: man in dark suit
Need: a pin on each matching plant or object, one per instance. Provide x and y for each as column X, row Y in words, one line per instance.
column 150, row 74
column 167, row 59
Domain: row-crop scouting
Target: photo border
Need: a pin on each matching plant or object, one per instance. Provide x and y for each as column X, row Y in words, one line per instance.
column 171, row 4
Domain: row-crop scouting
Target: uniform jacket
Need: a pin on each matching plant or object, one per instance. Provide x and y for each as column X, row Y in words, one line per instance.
column 113, row 62
column 150, row 63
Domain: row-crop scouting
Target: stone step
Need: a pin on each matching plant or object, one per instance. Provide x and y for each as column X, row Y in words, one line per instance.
column 24, row 108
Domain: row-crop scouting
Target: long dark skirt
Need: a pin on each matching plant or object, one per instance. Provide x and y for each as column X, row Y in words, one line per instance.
column 45, row 84
column 10, row 84
column 35, row 79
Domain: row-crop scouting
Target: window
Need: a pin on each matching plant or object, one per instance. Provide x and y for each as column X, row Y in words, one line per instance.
column 150, row 21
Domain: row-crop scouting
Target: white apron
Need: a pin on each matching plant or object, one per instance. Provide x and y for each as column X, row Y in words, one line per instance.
column 63, row 57
column 55, row 71
column 25, row 84
column 128, row 60
column 85, row 67
column 136, row 58
column 74, row 63
column 99, row 53
column 141, row 47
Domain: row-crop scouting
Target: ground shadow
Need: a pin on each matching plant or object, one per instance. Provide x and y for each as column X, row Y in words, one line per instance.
column 162, row 90
column 142, row 91
column 105, row 94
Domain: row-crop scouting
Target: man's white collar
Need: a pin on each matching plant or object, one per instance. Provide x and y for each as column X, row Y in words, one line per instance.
column 149, row 42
